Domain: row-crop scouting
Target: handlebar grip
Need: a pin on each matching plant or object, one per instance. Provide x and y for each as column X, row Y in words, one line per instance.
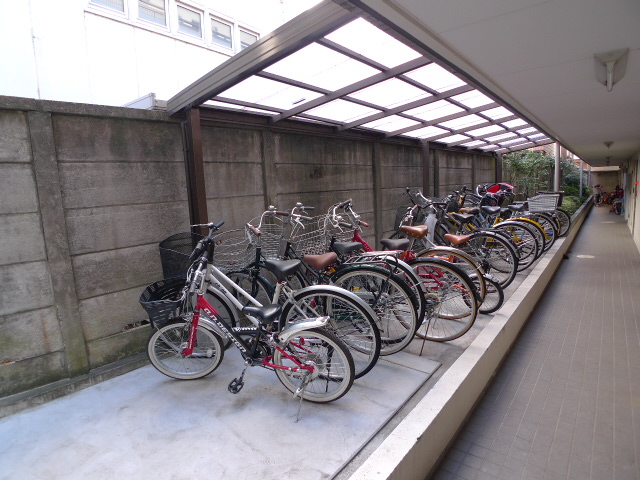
column 304, row 217
column 364, row 224
column 345, row 203
column 255, row 230
column 197, row 251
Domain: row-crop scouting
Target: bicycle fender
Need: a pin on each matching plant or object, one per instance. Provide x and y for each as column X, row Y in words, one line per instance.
column 223, row 299
column 334, row 289
column 294, row 329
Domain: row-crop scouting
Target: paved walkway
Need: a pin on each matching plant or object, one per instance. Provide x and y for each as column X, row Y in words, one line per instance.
column 566, row 402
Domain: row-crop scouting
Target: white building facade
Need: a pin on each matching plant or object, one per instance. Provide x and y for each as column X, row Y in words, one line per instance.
column 111, row 52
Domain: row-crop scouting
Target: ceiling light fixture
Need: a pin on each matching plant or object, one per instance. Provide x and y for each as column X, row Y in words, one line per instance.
column 611, row 67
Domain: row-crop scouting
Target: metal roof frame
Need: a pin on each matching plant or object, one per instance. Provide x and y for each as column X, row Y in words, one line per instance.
column 312, row 28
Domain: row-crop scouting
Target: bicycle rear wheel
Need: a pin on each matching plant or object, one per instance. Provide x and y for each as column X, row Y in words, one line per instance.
column 392, row 300
column 494, row 298
column 165, row 347
column 452, row 307
column 332, row 372
column 494, row 254
column 565, row 221
column 524, row 239
column 351, row 320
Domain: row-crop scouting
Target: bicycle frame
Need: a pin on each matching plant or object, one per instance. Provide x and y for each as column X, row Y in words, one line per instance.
column 212, row 317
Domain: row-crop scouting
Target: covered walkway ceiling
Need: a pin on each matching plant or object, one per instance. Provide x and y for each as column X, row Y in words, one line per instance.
column 390, row 68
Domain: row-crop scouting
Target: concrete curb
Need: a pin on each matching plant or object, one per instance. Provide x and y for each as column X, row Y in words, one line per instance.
column 416, row 445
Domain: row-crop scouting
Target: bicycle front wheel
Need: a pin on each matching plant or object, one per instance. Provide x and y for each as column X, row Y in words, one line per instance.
column 350, row 320
column 165, row 347
column 332, row 370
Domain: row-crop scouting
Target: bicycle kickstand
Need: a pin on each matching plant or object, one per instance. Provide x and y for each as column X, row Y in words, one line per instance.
column 300, row 393
column 236, row 384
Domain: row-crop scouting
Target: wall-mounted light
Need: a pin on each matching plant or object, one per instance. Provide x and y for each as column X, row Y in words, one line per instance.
column 611, row 67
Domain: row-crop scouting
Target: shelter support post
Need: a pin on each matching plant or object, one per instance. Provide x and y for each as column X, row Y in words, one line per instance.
column 498, row 167
column 426, row 168
column 556, row 172
column 377, row 190
column 194, row 166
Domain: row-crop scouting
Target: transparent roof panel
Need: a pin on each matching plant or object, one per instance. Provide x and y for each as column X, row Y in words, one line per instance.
column 462, row 122
column 342, row 111
column 472, row 99
column 434, row 110
column 537, row 136
column 511, row 142
column 515, row 123
column 485, row 130
column 525, row 131
column 501, row 137
column 390, row 93
column 435, row 77
column 365, row 39
column 497, row 113
column 426, row 132
column 473, row 144
column 262, row 91
column 322, row 67
column 454, row 138
column 391, row 123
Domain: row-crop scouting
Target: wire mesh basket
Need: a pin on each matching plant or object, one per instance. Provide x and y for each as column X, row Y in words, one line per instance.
column 311, row 238
column 272, row 228
column 559, row 192
column 340, row 227
column 543, row 203
column 162, row 300
column 234, row 250
column 175, row 251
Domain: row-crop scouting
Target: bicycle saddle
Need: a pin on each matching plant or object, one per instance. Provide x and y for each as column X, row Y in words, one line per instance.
column 266, row 315
column 396, row 243
column 415, row 231
column 320, row 262
column 283, row 268
column 491, row 210
column 517, row 208
column 463, row 217
column 456, row 239
column 471, row 210
column 344, row 248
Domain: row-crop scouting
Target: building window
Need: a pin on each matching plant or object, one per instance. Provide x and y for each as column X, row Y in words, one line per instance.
column 113, row 4
column 152, row 11
column 221, row 33
column 189, row 22
column 246, row 39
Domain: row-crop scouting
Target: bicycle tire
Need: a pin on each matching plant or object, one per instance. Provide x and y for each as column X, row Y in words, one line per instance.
column 334, row 370
column 494, row 254
column 453, row 308
column 460, row 259
column 164, row 350
column 351, row 320
column 525, row 242
column 565, row 221
column 391, row 299
column 494, row 297
column 538, row 230
column 549, row 228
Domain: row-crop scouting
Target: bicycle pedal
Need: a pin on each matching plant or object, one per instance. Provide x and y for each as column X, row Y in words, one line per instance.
column 235, row 386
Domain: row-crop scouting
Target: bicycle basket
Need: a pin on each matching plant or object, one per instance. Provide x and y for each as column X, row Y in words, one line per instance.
column 175, row 251
column 272, row 233
column 233, row 251
column 162, row 300
column 560, row 194
column 543, row 203
column 312, row 239
column 401, row 212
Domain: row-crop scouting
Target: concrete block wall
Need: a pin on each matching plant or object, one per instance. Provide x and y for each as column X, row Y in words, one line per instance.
column 87, row 193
